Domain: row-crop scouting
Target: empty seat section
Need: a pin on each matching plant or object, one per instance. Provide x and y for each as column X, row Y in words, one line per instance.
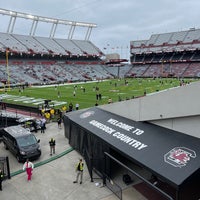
column 87, row 47
column 69, row 46
column 192, row 35
column 13, row 44
column 162, row 38
column 32, row 45
column 193, row 70
column 51, row 45
column 177, row 37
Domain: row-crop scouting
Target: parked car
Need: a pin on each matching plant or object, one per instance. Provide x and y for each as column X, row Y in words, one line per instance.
column 21, row 142
column 31, row 123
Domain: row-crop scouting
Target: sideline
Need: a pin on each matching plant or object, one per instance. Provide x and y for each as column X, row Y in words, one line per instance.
column 63, row 84
column 45, row 161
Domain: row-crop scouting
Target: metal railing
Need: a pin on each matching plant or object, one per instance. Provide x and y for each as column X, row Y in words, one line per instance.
column 140, row 177
column 116, row 189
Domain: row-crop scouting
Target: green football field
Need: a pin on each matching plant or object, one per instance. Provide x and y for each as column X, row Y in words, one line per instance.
column 85, row 93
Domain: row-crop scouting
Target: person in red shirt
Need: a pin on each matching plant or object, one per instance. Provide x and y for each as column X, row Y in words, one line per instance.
column 29, row 167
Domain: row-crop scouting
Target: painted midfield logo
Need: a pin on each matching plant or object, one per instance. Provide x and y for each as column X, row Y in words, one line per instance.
column 179, row 156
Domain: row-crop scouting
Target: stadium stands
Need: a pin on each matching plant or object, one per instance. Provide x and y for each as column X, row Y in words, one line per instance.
column 12, row 44
column 32, row 45
column 69, row 46
column 179, row 50
column 192, row 35
column 137, row 71
column 193, row 70
column 51, row 45
column 31, row 59
column 46, row 60
column 87, row 47
column 118, row 71
column 47, row 46
column 51, row 72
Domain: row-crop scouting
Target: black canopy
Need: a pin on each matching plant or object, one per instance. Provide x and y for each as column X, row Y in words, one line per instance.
column 172, row 155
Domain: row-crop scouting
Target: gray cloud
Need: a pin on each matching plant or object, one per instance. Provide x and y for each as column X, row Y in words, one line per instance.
column 119, row 21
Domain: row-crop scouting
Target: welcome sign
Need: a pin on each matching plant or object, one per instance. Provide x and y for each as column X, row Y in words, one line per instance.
column 168, row 153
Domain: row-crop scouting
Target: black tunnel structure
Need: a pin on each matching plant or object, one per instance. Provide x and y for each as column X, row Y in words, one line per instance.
column 172, row 156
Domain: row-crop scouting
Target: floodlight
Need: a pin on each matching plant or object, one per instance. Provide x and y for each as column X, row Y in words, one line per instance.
column 30, row 16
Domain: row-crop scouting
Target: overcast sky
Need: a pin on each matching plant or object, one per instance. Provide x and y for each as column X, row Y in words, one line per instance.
column 118, row 21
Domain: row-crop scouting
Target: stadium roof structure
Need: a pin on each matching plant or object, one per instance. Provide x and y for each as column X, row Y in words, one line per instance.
column 54, row 21
column 45, row 44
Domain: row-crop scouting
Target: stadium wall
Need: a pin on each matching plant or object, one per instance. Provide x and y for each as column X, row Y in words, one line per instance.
column 187, row 125
column 176, row 109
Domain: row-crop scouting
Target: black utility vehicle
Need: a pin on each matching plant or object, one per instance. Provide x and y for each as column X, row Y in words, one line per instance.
column 21, row 142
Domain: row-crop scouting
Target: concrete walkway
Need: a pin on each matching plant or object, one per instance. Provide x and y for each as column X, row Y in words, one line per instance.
column 54, row 180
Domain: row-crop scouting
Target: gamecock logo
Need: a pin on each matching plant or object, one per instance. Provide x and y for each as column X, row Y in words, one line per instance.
column 86, row 114
column 179, row 156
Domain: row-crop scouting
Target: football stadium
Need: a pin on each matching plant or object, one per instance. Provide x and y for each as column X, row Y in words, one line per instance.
column 135, row 123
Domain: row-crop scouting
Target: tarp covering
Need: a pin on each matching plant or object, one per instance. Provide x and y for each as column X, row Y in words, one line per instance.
column 172, row 155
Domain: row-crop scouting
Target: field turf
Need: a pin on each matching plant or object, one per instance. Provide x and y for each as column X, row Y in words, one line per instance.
column 115, row 89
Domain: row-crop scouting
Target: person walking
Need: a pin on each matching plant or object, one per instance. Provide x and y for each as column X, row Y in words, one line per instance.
column 43, row 124
column 77, row 106
column 79, row 171
column 110, row 100
column 1, row 179
column 29, row 168
column 59, row 94
column 70, row 107
column 74, row 93
column 59, row 121
column 52, row 144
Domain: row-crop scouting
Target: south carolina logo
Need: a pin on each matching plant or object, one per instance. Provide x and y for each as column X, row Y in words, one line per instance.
column 86, row 114
column 179, row 156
